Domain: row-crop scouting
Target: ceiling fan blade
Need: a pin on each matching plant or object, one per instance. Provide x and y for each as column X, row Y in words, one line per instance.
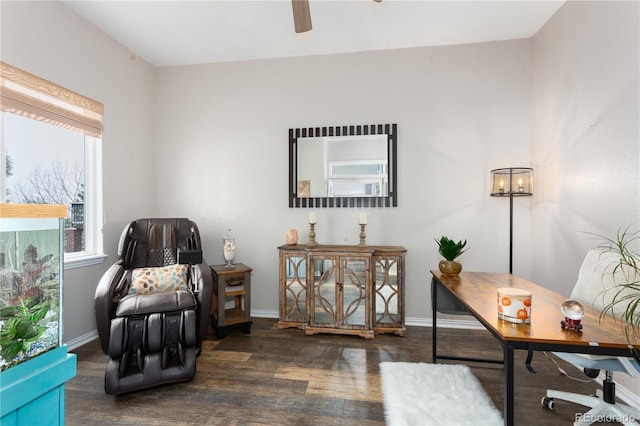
column 301, row 15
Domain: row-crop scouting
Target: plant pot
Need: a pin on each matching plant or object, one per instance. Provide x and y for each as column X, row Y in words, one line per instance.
column 452, row 267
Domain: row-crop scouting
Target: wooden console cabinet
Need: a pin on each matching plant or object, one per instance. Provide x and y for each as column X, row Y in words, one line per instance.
column 342, row 289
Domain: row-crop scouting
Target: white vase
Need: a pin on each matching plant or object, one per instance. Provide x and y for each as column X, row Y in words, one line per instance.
column 229, row 248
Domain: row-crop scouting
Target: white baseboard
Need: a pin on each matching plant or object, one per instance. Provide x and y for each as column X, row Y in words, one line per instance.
column 263, row 313
column 82, row 340
column 466, row 324
column 624, row 394
column 627, row 396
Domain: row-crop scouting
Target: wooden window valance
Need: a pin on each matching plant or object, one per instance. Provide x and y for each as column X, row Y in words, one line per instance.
column 30, row 96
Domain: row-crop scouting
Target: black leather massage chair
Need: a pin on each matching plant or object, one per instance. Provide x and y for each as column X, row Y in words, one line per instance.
column 152, row 306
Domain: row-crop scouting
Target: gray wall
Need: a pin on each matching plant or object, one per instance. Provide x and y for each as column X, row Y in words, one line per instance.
column 586, row 144
column 461, row 111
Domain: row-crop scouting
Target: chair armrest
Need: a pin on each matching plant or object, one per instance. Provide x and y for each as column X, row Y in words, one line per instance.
column 202, row 286
column 105, row 301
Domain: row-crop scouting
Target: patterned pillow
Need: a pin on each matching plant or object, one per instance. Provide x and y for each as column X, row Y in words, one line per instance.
column 158, row 280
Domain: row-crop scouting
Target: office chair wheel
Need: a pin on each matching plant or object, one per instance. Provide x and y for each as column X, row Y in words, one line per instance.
column 547, row 402
column 591, row 372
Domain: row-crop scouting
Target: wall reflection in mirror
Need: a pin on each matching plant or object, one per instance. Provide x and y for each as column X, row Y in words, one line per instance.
column 349, row 166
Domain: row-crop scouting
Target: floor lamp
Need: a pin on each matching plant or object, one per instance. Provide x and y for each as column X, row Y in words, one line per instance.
column 511, row 182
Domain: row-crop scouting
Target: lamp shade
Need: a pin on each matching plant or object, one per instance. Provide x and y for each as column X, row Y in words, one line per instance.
column 512, row 181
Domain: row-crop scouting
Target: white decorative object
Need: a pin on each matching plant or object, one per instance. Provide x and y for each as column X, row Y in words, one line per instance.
column 363, row 218
column 229, row 248
column 514, row 305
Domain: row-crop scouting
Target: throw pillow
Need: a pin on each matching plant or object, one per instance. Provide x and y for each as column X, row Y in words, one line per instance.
column 159, row 279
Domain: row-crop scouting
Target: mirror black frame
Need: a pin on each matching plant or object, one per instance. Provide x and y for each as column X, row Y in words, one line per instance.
column 391, row 200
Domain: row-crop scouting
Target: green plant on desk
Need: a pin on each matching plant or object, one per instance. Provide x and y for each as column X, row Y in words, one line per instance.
column 625, row 293
column 450, row 250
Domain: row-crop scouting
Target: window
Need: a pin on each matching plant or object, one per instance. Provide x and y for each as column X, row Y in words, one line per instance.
column 360, row 178
column 50, row 149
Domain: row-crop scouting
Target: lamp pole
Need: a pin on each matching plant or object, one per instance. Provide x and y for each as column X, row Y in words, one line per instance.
column 523, row 176
column 511, row 232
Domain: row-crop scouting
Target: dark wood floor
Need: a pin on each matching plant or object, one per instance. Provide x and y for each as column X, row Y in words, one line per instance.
column 282, row 377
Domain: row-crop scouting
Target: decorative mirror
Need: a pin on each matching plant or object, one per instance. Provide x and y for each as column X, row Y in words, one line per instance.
column 343, row 166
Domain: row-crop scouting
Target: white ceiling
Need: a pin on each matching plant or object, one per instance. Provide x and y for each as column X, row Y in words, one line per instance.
column 193, row 32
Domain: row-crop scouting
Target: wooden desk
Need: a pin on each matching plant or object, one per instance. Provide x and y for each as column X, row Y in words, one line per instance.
column 477, row 293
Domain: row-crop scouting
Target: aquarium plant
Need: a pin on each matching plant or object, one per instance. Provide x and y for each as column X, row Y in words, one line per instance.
column 21, row 326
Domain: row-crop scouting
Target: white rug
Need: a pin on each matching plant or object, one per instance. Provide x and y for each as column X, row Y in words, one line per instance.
column 435, row 394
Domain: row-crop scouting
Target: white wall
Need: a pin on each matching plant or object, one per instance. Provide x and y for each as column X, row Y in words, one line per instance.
column 586, row 143
column 461, row 111
column 50, row 40
column 210, row 142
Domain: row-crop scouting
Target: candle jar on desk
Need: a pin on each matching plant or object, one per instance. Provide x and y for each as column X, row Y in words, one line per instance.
column 514, row 305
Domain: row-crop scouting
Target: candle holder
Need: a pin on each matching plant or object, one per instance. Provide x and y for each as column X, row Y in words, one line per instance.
column 312, row 235
column 363, row 235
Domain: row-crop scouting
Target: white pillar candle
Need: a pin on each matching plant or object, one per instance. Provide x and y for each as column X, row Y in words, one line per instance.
column 312, row 217
column 363, row 218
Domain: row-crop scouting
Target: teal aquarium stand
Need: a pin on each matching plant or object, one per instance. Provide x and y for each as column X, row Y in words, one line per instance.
column 33, row 392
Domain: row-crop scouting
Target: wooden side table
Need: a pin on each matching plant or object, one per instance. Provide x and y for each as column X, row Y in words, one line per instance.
column 231, row 298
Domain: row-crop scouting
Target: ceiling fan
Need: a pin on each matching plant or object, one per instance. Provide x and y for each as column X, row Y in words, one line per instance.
column 302, row 15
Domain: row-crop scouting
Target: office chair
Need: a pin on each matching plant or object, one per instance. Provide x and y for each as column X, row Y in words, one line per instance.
column 595, row 277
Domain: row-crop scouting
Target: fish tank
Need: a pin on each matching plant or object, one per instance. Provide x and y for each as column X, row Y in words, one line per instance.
column 31, row 270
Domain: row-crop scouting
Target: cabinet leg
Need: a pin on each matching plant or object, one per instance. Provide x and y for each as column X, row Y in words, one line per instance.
column 221, row 332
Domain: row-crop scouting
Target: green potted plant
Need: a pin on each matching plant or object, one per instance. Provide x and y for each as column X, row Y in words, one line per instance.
column 450, row 250
column 623, row 298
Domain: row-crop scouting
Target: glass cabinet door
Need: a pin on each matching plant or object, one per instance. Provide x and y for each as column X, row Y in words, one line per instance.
column 325, row 292
column 354, row 292
column 293, row 294
column 387, row 296
column 340, row 292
